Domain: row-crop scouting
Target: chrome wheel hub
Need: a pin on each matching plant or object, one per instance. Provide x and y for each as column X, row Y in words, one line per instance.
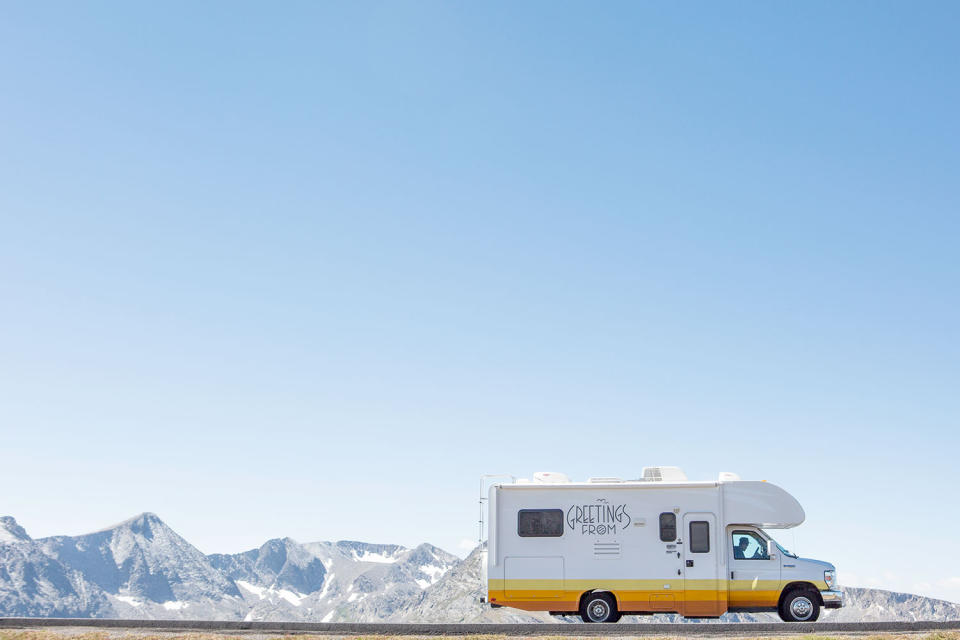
column 801, row 608
column 599, row 610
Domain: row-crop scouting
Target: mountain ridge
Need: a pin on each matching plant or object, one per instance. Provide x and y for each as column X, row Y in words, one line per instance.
column 141, row 568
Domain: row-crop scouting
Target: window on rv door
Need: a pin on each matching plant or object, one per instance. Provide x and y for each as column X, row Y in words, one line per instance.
column 699, row 536
column 668, row 527
column 749, row 546
column 540, row 523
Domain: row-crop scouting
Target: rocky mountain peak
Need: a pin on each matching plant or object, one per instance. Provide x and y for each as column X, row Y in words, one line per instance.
column 145, row 524
column 10, row 531
column 141, row 558
column 427, row 553
column 33, row 584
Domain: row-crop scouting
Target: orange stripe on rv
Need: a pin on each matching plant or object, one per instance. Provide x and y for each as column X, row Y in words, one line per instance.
column 687, row 597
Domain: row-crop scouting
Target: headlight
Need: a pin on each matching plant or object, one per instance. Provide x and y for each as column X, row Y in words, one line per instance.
column 830, row 577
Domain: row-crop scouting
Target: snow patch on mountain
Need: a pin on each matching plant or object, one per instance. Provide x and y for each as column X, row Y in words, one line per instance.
column 326, row 586
column 280, row 564
column 374, row 557
column 366, row 552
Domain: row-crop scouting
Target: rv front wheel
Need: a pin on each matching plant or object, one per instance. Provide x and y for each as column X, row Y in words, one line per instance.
column 599, row 607
column 800, row 606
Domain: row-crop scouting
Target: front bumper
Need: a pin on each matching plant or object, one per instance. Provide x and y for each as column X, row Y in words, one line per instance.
column 832, row 599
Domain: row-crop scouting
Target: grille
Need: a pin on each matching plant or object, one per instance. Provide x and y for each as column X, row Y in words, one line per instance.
column 606, row 550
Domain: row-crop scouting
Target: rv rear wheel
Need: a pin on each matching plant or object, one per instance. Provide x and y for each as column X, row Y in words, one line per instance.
column 599, row 607
column 800, row 606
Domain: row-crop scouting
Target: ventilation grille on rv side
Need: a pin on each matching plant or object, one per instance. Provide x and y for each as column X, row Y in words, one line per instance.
column 606, row 550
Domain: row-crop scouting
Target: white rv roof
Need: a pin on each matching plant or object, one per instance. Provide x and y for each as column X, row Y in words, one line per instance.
column 658, row 476
column 746, row 502
column 607, row 483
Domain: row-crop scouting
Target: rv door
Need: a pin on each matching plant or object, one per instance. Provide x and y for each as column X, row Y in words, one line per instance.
column 754, row 571
column 704, row 593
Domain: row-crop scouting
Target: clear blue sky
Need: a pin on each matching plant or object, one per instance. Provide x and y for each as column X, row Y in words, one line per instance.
column 309, row 269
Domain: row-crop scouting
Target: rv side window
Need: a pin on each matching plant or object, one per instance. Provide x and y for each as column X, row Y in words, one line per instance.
column 668, row 527
column 749, row 546
column 699, row 536
column 540, row 523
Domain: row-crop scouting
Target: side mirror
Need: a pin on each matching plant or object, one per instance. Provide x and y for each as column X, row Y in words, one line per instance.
column 771, row 549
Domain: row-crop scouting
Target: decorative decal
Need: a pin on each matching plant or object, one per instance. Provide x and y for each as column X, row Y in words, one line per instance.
column 598, row 519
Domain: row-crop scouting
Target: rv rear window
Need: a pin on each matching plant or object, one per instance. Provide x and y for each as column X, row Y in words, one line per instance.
column 540, row 523
column 668, row 527
column 699, row 536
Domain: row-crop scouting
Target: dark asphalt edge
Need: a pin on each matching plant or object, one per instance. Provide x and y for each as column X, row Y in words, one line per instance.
column 414, row 629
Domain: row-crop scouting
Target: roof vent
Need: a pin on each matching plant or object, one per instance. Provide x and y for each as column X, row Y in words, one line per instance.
column 663, row 474
column 550, row 477
column 728, row 476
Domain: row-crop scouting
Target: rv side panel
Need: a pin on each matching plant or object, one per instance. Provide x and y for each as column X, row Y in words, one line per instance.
column 554, row 543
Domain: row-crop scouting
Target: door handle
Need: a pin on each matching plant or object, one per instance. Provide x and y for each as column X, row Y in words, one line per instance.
column 689, row 563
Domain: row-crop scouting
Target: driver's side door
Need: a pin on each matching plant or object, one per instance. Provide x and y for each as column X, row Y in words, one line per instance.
column 754, row 575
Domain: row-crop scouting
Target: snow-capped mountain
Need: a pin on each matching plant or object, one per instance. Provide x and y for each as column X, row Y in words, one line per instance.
column 141, row 568
column 148, row 570
column 361, row 582
column 280, row 564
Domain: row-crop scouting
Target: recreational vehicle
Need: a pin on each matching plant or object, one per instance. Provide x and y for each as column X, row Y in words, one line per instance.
column 660, row 544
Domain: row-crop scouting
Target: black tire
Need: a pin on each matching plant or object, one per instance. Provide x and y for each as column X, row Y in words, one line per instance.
column 800, row 605
column 599, row 607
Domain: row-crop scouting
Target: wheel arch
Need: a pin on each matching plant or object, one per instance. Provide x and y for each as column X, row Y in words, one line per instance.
column 590, row 592
column 797, row 585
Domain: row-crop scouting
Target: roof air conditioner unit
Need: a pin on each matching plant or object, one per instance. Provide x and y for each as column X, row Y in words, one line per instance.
column 663, row 474
column 550, row 477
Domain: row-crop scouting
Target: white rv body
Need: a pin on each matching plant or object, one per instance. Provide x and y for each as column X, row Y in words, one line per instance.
column 662, row 544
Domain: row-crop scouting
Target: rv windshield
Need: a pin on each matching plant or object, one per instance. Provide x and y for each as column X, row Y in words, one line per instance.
column 789, row 554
